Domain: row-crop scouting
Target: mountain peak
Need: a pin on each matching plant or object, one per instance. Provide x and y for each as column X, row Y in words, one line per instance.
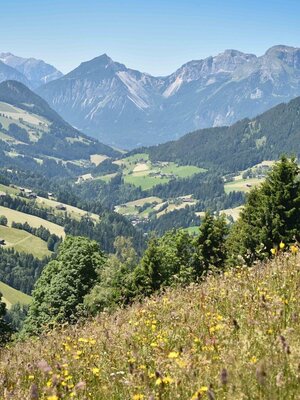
column 275, row 50
column 102, row 64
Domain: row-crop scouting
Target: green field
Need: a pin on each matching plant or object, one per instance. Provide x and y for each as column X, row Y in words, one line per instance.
column 145, row 182
column 9, row 190
column 240, row 185
column 24, row 242
column 182, row 171
column 35, row 222
column 139, row 171
column 12, row 296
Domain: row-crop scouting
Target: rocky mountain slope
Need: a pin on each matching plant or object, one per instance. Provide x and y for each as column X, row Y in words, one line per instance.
column 36, row 72
column 128, row 108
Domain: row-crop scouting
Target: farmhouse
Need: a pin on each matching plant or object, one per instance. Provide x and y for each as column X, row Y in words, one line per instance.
column 61, row 207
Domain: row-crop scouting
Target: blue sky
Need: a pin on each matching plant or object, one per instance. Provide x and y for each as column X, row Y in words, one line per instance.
column 152, row 36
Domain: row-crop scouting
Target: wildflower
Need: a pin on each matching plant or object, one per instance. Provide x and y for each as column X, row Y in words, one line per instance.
column 253, row 360
column 138, row 397
column 224, row 376
column 199, row 393
column 34, row 392
column 274, row 251
column 281, row 245
column 164, row 381
column 53, row 397
column 173, row 354
column 31, row 377
column 294, row 249
column 95, row 371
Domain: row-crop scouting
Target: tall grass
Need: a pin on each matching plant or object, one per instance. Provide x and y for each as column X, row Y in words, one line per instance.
column 235, row 336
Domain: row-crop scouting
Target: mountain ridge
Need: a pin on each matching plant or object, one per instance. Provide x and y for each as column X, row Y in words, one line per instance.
column 128, row 108
column 36, row 72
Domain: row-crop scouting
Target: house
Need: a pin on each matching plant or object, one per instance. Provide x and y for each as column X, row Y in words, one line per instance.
column 61, row 207
column 31, row 195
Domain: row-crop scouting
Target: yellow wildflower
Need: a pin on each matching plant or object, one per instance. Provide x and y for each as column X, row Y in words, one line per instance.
column 173, row 354
column 294, row 249
column 31, row 377
column 95, row 371
column 199, row 393
column 273, row 251
column 164, row 381
column 281, row 245
column 138, row 397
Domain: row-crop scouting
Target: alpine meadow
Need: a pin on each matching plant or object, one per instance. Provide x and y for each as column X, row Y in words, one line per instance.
column 150, row 221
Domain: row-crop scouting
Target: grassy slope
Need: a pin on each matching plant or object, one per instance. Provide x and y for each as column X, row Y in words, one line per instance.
column 24, row 242
column 240, row 185
column 245, row 323
column 36, row 222
column 136, row 170
column 12, row 296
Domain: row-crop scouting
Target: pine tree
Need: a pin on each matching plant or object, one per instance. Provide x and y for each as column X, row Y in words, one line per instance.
column 271, row 215
column 210, row 243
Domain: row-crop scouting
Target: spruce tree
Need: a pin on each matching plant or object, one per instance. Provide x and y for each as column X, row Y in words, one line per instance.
column 210, row 243
column 271, row 215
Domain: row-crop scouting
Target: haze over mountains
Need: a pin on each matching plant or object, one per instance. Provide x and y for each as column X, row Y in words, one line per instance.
column 128, row 108
column 29, row 71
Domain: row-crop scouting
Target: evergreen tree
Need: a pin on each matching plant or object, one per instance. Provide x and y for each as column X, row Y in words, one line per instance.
column 210, row 243
column 167, row 261
column 271, row 215
column 59, row 292
column 5, row 330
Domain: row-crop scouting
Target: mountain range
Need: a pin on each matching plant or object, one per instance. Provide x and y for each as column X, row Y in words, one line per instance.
column 127, row 108
column 30, row 71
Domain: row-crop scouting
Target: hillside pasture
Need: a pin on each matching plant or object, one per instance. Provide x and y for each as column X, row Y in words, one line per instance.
column 15, row 114
column 233, row 336
column 24, row 242
column 97, row 158
column 32, row 220
column 242, row 185
column 12, row 296
column 73, row 212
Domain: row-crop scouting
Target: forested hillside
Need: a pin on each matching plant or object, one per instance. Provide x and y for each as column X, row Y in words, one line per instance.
column 240, row 146
column 35, row 138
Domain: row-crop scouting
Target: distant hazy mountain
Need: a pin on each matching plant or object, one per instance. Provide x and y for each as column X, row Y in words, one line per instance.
column 33, row 136
column 9, row 73
column 37, row 72
column 127, row 108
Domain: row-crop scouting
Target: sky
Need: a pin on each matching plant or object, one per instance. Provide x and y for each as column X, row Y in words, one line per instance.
column 151, row 36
